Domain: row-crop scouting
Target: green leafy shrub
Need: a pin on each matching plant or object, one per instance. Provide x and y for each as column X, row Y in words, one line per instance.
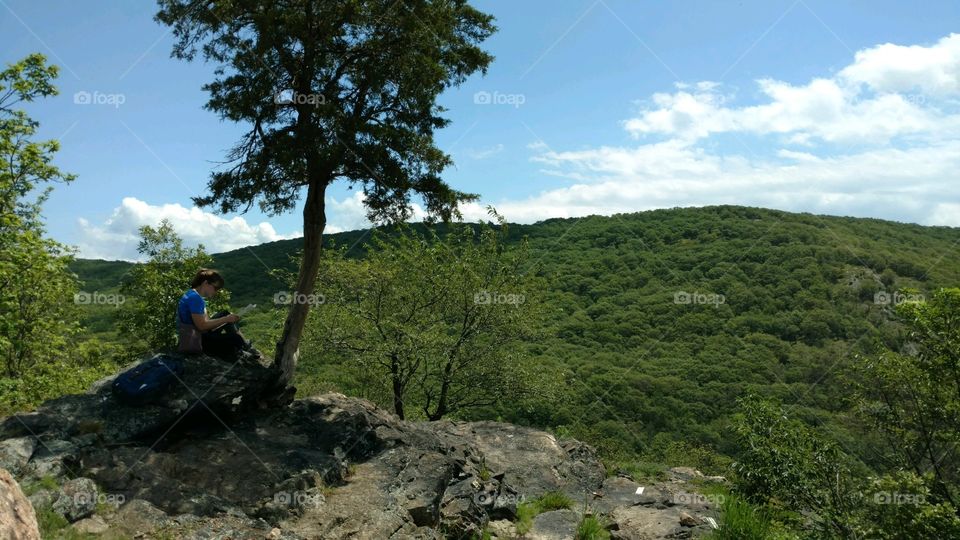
column 902, row 505
column 423, row 317
column 591, row 528
column 740, row 520
column 784, row 462
column 553, row 500
column 527, row 510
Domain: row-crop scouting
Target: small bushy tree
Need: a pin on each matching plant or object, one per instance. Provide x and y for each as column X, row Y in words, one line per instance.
column 901, row 505
column 911, row 401
column 436, row 323
column 37, row 313
column 152, row 294
column 786, row 464
column 39, row 328
column 912, row 398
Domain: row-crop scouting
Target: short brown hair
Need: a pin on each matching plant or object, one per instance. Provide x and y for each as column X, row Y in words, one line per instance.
column 207, row 274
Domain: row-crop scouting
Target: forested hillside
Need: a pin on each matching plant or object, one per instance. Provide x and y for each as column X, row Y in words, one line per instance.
column 659, row 320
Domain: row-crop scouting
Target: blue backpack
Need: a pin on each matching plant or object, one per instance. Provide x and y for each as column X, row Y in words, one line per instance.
column 148, row 381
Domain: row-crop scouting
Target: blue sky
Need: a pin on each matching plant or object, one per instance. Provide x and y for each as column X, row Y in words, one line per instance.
column 591, row 107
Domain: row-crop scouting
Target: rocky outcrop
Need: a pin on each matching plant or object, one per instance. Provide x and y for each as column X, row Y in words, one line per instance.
column 210, row 462
column 17, row 518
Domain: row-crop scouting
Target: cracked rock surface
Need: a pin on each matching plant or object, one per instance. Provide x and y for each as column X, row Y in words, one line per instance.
column 328, row 466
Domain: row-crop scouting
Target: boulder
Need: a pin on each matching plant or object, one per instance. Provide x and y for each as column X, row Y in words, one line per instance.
column 77, row 499
column 502, row 528
column 209, row 386
column 15, row 453
column 688, row 520
column 671, row 511
column 554, row 525
column 42, row 499
column 18, row 521
column 643, row 522
column 685, row 473
column 53, row 457
column 140, row 518
column 617, row 491
column 531, row 461
column 91, row 525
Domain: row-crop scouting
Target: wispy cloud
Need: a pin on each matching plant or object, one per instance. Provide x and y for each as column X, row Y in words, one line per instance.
column 484, row 153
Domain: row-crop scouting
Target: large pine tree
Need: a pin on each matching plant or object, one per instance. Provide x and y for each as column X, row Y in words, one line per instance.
column 331, row 90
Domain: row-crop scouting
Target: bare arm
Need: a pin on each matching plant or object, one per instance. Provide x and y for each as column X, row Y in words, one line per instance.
column 205, row 324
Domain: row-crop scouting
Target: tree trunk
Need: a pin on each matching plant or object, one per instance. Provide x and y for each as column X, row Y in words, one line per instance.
column 397, row 386
column 444, row 390
column 314, row 221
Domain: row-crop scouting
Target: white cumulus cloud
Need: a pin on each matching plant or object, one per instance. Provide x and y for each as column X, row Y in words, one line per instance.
column 117, row 237
column 933, row 70
column 823, row 110
column 880, row 138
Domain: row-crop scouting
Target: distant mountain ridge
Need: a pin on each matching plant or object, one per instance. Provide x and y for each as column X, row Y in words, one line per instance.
column 252, row 262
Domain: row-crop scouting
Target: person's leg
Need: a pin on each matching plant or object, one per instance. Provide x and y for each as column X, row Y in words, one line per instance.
column 236, row 340
column 220, row 344
column 231, row 328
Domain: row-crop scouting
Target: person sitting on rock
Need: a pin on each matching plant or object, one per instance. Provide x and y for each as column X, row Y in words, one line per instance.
column 217, row 335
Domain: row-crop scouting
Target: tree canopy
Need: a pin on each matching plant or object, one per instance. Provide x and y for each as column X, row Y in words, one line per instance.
column 331, row 90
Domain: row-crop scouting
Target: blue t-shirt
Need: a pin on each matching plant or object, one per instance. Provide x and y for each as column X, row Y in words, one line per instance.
column 191, row 302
